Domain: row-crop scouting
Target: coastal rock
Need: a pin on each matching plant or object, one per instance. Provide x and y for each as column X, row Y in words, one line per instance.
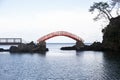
column 68, row 48
column 40, row 47
column 111, row 35
column 1, row 49
column 77, row 46
column 14, row 49
column 29, row 48
column 96, row 46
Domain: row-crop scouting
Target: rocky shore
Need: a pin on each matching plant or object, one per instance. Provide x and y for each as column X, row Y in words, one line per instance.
column 27, row 48
column 111, row 39
column 96, row 46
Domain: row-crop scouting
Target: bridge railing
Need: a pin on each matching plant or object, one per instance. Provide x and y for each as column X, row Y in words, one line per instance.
column 10, row 40
column 60, row 33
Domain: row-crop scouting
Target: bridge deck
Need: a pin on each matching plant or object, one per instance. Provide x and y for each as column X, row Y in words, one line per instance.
column 10, row 41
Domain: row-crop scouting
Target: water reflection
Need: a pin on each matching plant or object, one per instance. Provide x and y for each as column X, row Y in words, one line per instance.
column 90, row 55
column 92, row 64
column 104, row 65
column 111, row 65
column 61, row 65
column 40, row 54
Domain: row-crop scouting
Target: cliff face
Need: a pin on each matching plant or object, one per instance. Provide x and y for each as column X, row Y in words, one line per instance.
column 111, row 35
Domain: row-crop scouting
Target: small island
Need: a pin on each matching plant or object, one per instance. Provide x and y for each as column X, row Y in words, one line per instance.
column 28, row 48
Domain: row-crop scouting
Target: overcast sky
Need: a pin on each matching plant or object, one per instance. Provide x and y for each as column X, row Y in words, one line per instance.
column 32, row 19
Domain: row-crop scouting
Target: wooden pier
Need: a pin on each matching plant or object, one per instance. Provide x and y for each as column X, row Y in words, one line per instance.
column 10, row 41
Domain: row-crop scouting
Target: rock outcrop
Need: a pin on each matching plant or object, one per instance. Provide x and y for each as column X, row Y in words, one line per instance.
column 29, row 48
column 79, row 45
column 96, row 46
column 1, row 49
column 111, row 35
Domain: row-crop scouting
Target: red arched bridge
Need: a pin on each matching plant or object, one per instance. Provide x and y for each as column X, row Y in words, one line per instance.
column 60, row 33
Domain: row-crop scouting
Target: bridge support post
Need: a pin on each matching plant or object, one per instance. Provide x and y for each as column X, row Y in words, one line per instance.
column 42, row 46
column 6, row 40
column 79, row 44
column 14, row 40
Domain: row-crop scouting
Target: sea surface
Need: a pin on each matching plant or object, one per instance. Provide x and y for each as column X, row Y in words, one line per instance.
column 60, row 65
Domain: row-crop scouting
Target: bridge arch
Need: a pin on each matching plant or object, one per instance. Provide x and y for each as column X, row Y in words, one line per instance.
column 60, row 33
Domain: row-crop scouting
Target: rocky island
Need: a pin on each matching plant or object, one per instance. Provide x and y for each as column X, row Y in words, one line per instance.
column 27, row 48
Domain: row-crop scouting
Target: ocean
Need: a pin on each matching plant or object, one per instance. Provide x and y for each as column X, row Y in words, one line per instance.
column 60, row 65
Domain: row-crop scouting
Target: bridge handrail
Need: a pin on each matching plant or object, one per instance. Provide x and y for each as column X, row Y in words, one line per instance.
column 10, row 40
column 59, row 33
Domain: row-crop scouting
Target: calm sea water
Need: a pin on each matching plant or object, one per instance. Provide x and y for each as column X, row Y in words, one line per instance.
column 60, row 65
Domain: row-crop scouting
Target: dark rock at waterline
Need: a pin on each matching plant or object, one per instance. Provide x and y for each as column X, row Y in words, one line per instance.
column 14, row 49
column 68, row 48
column 4, row 50
column 77, row 46
column 1, row 49
column 111, row 35
column 29, row 48
column 96, row 46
